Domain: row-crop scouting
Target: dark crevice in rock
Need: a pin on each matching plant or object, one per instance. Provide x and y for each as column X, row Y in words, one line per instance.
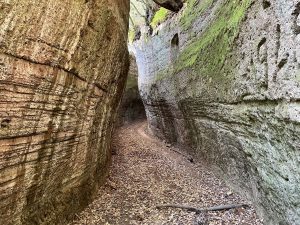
column 173, row 5
column 283, row 61
column 5, row 123
column 175, row 41
column 278, row 36
column 174, row 47
column 295, row 17
column 266, row 4
column 137, row 34
column 261, row 43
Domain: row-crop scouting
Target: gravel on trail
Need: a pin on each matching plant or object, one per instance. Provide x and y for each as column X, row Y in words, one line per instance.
column 146, row 172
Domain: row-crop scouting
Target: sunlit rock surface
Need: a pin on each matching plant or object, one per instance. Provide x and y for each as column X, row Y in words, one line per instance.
column 222, row 78
column 63, row 66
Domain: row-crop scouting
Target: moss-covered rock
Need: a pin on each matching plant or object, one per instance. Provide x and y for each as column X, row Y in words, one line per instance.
column 159, row 17
column 221, row 78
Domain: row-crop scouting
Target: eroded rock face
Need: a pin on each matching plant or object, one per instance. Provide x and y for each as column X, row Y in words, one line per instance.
column 63, row 66
column 222, row 77
column 132, row 107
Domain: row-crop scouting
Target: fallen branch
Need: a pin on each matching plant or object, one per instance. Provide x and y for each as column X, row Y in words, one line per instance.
column 199, row 210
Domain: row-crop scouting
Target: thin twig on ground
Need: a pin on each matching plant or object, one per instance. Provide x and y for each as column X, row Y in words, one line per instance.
column 198, row 210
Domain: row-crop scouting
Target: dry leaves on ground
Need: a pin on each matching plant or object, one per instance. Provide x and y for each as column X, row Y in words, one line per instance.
column 145, row 173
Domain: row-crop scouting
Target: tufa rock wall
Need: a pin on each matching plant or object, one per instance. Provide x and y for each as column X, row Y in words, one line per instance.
column 131, row 107
column 63, row 66
column 222, row 77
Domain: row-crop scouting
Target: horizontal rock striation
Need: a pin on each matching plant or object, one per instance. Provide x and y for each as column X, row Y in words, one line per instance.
column 63, row 66
column 222, row 77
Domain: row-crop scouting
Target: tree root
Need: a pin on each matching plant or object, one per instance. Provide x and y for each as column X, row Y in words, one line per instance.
column 199, row 210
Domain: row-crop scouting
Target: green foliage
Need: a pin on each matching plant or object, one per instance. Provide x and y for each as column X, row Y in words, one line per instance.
column 159, row 17
column 131, row 35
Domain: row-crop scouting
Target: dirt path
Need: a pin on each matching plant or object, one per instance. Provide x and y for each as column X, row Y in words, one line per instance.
column 146, row 173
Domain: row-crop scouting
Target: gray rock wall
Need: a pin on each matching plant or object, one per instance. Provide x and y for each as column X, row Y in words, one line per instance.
column 132, row 107
column 63, row 66
column 222, row 78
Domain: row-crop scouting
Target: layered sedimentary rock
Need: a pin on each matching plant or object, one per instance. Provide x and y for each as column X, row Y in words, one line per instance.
column 131, row 107
column 222, row 78
column 63, row 66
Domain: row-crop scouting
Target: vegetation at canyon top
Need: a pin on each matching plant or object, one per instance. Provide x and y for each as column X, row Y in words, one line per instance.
column 159, row 17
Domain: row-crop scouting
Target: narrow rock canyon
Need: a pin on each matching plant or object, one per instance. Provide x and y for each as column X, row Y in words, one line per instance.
column 217, row 80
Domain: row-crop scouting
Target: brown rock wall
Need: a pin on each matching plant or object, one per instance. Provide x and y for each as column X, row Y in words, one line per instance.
column 63, row 65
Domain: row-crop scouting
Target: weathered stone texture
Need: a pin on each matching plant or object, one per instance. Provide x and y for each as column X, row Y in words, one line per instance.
column 222, row 77
column 131, row 107
column 63, row 66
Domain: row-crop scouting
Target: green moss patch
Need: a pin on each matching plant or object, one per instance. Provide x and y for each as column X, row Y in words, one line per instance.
column 159, row 17
column 209, row 54
column 210, row 50
column 194, row 10
column 131, row 35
